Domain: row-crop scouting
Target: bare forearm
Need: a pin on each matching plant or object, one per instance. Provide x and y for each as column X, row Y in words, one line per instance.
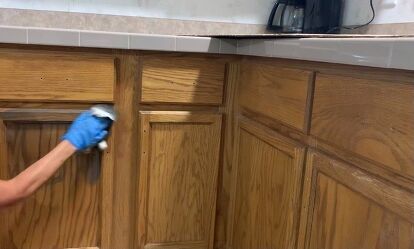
column 27, row 182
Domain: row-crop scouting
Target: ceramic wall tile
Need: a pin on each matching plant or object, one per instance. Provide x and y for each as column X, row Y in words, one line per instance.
column 228, row 46
column 243, row 46
column 318, row 49
column 197, row 44
column 152, row 42
column 374, row 52
column 53, row 37
column 262, row 47
column 104, row 40
column 13, row 35
column 286, row 48
column 402, row 54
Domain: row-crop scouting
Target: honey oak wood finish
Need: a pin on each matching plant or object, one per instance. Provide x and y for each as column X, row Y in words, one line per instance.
column 266, row 198
column 37, row 76
column 65, row 212
column 345, row 207
column 279, row 93
column 182, row 79
column 230, row 111
column 178, row 179
column 120, row 213
column 371, row 118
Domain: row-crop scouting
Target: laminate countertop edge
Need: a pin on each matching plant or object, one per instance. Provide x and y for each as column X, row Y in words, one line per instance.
column 394, row 53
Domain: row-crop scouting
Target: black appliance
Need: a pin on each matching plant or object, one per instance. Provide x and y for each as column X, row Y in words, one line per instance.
column 306, row 16
column 287, row 16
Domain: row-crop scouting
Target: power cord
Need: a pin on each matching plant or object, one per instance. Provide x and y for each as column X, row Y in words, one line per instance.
column 357, row 26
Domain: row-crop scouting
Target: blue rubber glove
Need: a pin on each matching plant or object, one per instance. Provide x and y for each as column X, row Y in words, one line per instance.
column 87, row 131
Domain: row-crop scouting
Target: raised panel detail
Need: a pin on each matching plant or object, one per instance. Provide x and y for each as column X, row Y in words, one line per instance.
column 65, row 212
column 279, row 93
column 177, row 79
column 349, row 208
column 266, row 198
column 179, row 167
column 371, row 118
column 49, row 77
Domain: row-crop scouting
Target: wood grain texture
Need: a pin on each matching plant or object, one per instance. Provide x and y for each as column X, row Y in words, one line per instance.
column 266, row 198
column 371, row 118
column 350, row 208
column 279, row 93
column 178, row 178
column 178, row 79
column 230, row 111
column 43, row 115
column 175, row 245
column 120, row 215
column 46, row 77
column 65, row 211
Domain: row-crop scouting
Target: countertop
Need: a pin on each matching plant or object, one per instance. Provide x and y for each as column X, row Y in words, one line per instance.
column 383, row 52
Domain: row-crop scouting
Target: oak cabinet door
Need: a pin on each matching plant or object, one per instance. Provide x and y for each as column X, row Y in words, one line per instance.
column 266, row 195
column 349, row 208
column 66, row 211
column 178, row 176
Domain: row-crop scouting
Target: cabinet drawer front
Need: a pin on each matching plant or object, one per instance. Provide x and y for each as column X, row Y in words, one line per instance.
column 350, row 208
column 50, row 77
column 275, row 92
column 371, row 118
column 182, row 80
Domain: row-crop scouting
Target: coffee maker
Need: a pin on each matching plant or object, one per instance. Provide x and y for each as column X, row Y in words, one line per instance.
column 306, row 16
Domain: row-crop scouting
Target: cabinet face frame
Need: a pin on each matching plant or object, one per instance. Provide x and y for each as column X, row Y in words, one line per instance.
column 293, row 149
column 393, row 198
column 63, row 116
column 146, row 119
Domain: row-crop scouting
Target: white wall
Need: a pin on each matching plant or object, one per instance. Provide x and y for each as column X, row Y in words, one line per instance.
column 388, row 11
column 239, row 11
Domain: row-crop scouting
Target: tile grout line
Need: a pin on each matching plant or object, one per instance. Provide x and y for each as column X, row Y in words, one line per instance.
column 78, row 38
column 219, row 51
column 391, row 54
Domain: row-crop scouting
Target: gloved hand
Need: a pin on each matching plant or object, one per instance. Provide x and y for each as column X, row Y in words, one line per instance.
column 87, row 131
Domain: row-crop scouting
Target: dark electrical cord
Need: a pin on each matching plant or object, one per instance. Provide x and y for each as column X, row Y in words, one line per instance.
column 357, row 26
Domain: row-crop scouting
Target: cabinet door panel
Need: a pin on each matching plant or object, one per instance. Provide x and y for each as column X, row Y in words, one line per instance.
column 371, row 118
column 65, row 212
column 266, row 199
column 179, row 165
column 352, row 209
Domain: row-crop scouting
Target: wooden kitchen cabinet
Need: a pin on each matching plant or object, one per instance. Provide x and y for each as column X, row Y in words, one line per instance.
column 66, row 212
column 266, row 196
column 208, row 152
column 345, row 207
column 179, row 164
column 41, row 92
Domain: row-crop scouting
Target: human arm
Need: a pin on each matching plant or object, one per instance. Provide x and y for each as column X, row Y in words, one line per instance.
column 85, row 132
column 28, row 181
